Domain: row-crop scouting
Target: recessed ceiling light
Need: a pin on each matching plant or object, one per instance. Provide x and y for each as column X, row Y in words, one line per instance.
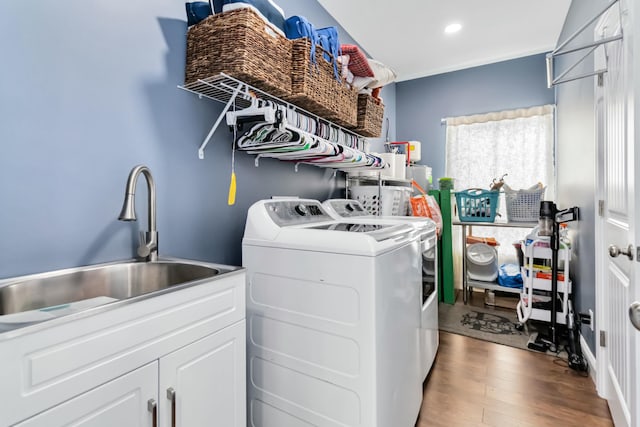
column 452, row 28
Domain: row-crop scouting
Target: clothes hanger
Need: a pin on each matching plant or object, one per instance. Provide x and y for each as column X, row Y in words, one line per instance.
column 258, row 111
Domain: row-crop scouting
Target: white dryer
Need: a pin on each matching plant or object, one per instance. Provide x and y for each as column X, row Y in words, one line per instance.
column 343, row 209
column 332, row 319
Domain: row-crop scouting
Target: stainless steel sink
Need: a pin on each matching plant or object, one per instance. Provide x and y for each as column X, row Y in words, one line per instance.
column 119, row 281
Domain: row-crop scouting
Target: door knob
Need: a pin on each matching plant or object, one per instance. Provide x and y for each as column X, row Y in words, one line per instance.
column 614, row 251
column 634, row 314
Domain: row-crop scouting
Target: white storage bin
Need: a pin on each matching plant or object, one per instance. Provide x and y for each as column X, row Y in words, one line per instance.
column 482, row 262
column 385, row 201
column 397, row 165
column 523, row 205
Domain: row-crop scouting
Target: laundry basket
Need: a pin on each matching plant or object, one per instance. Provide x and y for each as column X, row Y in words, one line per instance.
column 384, row 201
column 523, row 205
column 476, row 205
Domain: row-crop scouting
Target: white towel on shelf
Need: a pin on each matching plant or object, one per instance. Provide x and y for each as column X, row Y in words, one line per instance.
column 239, row 5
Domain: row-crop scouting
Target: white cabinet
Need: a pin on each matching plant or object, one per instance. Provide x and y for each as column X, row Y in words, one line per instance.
column 101, row 370
column 200, row 385
column 121, row 402
column 203, row 384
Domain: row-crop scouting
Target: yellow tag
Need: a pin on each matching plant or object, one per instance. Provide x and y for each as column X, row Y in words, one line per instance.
column 232, row 190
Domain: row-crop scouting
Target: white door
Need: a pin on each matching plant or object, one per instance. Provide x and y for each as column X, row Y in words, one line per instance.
column 126, row 401
column 203, row 384
column 616, row 111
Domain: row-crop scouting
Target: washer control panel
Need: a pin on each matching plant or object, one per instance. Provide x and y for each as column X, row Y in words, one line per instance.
column 294, row 212
column 349, row 208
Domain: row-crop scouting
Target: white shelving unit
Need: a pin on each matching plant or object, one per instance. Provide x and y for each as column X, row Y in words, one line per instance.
column 525, row 309
column 237, row 94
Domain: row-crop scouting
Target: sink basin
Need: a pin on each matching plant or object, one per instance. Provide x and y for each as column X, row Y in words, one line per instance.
column 53, row 291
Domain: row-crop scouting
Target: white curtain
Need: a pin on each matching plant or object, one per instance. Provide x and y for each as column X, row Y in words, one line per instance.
column 519, row 143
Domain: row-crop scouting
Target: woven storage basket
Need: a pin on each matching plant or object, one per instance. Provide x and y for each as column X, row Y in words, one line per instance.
column 316, row 89
column 370, row 113
column 239, row 43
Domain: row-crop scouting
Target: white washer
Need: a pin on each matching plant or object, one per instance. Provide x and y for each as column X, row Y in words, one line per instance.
column 342, row 209
column 332, row 319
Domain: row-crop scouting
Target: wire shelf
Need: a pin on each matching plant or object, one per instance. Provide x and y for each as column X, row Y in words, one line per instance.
column 231, row 91
column 221, row 88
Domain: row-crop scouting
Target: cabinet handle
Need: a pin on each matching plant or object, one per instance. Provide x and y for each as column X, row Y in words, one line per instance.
column 152, row 407
column 171, row 395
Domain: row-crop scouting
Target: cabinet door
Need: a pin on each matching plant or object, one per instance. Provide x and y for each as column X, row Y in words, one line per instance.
column 203, row 384
column 121, row 402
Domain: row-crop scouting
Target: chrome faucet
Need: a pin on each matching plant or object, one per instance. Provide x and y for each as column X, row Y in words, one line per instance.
column 148, row 248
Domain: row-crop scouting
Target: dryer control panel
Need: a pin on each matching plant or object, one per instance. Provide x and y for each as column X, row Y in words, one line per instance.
column 292, row 212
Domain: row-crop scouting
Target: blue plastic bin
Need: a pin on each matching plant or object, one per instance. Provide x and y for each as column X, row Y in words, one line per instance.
column 476, row 205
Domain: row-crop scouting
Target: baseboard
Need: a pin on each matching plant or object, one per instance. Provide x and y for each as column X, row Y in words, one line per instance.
column 590, row 358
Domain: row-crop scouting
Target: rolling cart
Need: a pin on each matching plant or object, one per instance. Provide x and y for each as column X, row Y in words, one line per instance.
column 546, row 244
column 532, row 303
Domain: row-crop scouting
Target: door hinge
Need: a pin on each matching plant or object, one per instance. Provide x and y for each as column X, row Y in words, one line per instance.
column 601, row 207
column 603, row 339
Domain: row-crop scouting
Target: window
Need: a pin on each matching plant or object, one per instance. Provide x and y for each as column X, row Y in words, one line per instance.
column 519, row 143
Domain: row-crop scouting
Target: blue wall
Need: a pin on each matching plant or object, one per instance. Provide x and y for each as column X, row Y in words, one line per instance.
column 577, row 146
column 422, row 103
column 88, row 89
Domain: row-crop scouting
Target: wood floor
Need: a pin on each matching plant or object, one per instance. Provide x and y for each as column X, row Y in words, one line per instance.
column 478, row 383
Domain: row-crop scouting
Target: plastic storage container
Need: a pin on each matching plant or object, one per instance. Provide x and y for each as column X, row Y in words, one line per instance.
column 482, row 262
column 416, row 151
column 523, row 205
column 475, row 205
column 386, row 200
column 397, row 165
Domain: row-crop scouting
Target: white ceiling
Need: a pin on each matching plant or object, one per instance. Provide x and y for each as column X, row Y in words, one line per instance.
column 408, row 35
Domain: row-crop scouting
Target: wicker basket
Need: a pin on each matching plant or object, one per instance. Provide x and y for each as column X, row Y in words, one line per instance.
column 316, row 88
column 370, row 114
column 239, row 43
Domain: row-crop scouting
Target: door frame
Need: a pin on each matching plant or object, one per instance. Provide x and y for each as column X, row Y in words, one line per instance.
column 601, row 318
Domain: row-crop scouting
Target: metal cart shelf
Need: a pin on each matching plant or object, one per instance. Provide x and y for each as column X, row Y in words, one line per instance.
column 467, row 283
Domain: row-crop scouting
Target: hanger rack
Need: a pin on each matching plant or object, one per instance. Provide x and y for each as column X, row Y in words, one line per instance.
column 251, row 101
column 560, row 50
